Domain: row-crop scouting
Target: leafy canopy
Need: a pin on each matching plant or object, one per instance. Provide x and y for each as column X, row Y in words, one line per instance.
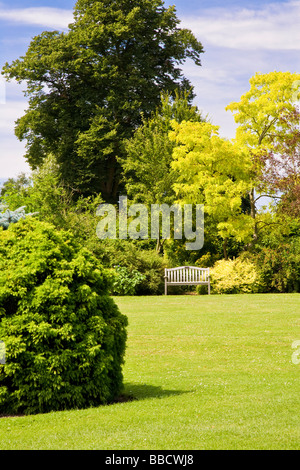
column 148, row 174
column 88, row 87
column 259, row 110
column 212, row 171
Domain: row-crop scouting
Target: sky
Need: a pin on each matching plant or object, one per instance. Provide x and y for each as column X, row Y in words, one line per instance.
column 239, row 39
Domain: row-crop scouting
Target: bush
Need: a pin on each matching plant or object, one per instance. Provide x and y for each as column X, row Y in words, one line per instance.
column 125, row 281
column 235, row 276
column 64, row 336
column 280, row 266
column 136, row 257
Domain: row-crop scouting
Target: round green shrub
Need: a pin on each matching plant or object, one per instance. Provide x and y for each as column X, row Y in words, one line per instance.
column 64, row 336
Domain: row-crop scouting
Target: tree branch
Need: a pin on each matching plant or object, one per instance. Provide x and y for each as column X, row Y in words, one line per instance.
column 267, row 195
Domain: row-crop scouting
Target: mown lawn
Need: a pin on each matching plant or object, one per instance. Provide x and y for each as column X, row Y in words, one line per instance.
column 207, row 372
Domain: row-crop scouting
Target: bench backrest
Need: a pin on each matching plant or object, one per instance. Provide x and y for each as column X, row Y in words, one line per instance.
column 187, row 275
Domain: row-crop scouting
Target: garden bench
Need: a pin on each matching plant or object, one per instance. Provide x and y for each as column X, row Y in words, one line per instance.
column 186, row 276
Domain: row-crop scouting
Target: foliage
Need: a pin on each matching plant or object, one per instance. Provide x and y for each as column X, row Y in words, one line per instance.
column 259, row 115
column 277, row 253
column 215, row 172
column 44, row 193
column 235, row 276
column 280, row 266
column 87, row 87
column 10, row 217
column 23, row 181
column 64, row 336
column 125, row 281
column 147, row 167
column 53, row 201
column 280, row 173
column 259, row 111
column 135, row 256
column 151, row 265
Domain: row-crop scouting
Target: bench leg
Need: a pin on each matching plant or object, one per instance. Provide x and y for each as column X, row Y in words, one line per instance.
column 166, row 288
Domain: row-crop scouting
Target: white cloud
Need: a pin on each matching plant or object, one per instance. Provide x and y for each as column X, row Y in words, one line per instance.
column 273, row 27
column 12, row 161
column 239, row 42
column 9, row 113
column 43, row 16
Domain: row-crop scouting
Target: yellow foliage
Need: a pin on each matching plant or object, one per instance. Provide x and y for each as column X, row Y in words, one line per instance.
column 213, row 171
column 259, row 110
column 235, row 276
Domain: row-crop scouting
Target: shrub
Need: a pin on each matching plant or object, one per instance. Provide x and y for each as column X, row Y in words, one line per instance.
column 64, row 336
column 235, row 276
column 136, row 257
column 280, row 266
column 125, row 281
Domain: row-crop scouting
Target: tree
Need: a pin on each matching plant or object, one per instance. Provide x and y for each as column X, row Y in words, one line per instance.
column 148, row 175
column 215, row 172
column 44, row 193
column 88, row 87
column 259, row 114
column 16, row 184
column 280, row 166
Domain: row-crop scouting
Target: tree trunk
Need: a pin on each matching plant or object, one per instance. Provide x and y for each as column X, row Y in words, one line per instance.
column 110, row 183
column 225, row 248
column 253, row 215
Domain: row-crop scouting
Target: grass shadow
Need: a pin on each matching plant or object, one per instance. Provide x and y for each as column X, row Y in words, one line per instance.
column 136, row 391
column 131, row 392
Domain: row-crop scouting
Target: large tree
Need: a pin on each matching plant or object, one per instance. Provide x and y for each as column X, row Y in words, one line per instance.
column 280, row 167
column 213, row 171
column 88, row 87
column 262, row 127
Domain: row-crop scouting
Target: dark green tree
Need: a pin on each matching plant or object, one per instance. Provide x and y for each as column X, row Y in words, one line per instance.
column 88, row 87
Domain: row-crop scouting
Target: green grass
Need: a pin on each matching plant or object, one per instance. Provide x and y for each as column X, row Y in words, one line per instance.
column 208, row 372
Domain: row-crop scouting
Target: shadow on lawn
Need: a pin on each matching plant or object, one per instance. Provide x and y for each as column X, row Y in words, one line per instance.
column 133, row 391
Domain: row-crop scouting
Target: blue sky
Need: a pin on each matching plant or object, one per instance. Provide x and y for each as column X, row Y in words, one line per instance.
column 239, row 39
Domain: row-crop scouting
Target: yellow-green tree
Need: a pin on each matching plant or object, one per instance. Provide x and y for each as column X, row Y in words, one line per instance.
column 216, row 172
column 259, row 110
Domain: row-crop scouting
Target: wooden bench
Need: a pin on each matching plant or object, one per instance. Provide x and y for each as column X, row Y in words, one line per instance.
column 186, row 276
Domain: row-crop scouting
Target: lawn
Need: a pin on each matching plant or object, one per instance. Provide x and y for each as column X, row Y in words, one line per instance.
column 206, row 372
